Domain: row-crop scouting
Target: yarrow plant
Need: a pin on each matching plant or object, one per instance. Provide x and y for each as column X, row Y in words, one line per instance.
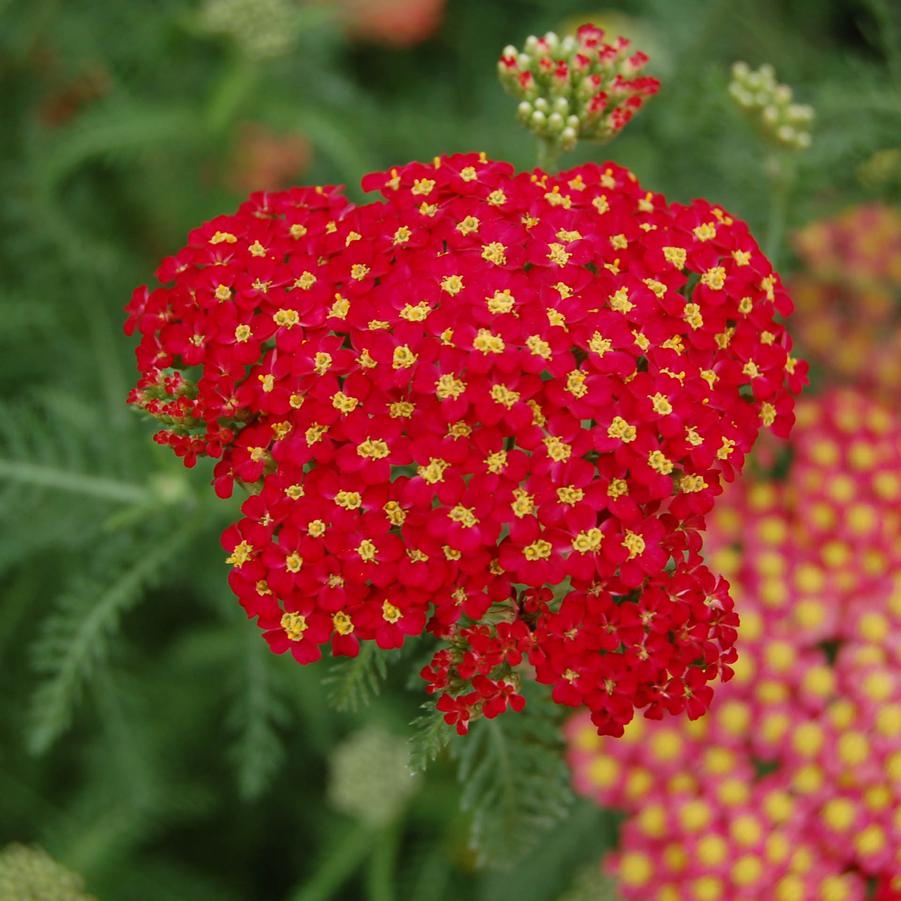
column 789, row 788
column 491, row 406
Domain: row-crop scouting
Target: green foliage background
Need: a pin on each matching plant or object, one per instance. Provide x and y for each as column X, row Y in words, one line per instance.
column 148, row 739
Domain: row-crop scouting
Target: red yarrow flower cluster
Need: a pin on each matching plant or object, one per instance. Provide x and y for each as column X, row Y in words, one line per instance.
column 494, row 406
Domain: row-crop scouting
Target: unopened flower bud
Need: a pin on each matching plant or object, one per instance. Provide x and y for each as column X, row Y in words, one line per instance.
column 769, row 106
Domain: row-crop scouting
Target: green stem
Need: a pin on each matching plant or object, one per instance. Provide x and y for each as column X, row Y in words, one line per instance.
column 548, row 155
column 233, row 87
column 380, row 876
column 343, row 860
column 781, row 180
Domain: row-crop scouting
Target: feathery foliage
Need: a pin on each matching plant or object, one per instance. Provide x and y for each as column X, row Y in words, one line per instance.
column 429, row 737
column 257, row 713
column 514, row 780
column 353, row 683
column 76, row 637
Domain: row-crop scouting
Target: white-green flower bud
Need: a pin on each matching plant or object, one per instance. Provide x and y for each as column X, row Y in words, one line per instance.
column 782, row 94
column 786, row 134
column 800, row 112
column 769, row 105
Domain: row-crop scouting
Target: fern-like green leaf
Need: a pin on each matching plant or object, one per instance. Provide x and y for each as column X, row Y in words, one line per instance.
column 256, row 714
column 353, row 683
column 36, row 453
column 515, row 780
column 430, row 736
column 76, row 637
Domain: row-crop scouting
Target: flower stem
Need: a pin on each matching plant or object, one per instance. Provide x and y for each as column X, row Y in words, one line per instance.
column 343, row 859
column 781, row 180
column 381, row 864
column 548, row 155
column 234, row 86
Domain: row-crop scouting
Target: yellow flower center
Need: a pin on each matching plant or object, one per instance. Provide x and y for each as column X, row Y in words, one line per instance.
column 294, row 624
column 634, row 544
column 537, row 550
column 342, row 622
column 390, row 613
column 621, row 429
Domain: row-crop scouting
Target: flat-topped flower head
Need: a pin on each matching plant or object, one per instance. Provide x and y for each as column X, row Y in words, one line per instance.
column 491, row 405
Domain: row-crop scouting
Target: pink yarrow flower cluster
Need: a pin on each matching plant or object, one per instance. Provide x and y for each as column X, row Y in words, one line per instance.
column 790, row 788
column 848, row 296
column 816, row 546
column 493, row 406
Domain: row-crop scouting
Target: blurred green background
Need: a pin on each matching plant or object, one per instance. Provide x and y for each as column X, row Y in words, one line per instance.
column 149, row 740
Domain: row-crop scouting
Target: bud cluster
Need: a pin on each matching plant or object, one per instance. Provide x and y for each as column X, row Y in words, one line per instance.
column 769, row 106
column 577, row 86
column 261, row 29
